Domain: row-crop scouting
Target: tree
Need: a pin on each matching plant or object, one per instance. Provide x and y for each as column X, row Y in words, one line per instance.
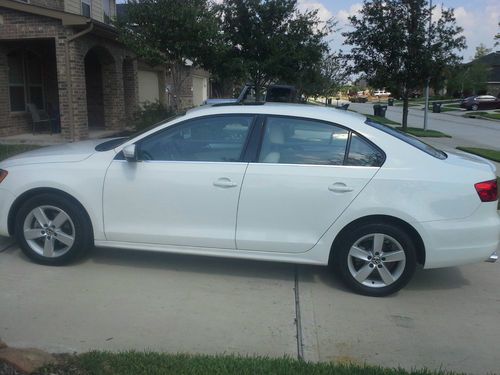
column 481, row 50
column 394, row 47
column 497, row 37
column 333, row 75
column 469, row 79
column 170, row 32
column 272, row 40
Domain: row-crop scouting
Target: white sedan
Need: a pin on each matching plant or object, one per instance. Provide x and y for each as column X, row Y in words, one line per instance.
column 276, row 182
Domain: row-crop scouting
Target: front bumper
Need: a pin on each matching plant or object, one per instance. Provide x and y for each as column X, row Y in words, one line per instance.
column 6, row 200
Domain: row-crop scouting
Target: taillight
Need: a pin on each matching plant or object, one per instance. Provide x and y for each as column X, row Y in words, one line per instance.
column 3, row 174
column 487, row 190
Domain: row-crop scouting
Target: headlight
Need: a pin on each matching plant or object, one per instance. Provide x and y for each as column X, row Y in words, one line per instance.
column 3, row 174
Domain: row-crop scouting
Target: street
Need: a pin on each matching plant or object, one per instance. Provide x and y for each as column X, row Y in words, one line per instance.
column 119, row 300
column 465, row 131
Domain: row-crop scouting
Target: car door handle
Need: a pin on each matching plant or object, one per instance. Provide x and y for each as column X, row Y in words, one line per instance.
column 225, row 182
column 340, row 187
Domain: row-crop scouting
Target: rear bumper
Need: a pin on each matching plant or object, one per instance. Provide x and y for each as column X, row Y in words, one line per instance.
column 457, row 242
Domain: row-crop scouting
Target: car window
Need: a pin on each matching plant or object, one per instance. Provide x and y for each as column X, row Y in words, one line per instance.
column 361, row 153
column 408, row 139
column 213, row 139
column 299, row 141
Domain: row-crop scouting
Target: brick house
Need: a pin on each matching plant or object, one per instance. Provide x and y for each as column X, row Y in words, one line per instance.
column 64, row 57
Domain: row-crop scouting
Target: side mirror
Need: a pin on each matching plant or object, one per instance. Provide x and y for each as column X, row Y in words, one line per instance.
column 130, row 153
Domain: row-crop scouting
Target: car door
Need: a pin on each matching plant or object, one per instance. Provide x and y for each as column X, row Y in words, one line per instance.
column 306, row 174
column 184, row 189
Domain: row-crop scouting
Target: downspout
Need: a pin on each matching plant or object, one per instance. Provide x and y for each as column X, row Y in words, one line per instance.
column 68, row 76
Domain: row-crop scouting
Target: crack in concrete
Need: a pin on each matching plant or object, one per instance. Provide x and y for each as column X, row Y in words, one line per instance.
column 298, row 322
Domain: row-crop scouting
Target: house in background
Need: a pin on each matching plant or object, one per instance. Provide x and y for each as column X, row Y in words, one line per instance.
column 64, row 57
column 492, row 61
column 155, row 84
column 194, row 88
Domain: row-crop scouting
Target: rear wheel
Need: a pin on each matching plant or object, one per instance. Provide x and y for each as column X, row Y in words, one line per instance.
column 376, row 259
column 52, row 230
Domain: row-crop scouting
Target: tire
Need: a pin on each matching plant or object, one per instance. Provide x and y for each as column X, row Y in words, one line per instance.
column 367, row 271
column 52, row 230
column 475, row 107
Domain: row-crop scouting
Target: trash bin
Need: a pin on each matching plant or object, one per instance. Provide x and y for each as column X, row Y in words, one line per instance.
column 390, row 102
column 376, row 109
column 436, row 107
column 382, row 110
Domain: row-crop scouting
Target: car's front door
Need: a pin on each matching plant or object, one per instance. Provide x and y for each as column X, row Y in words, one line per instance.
column 307, row 174
column 184, row 189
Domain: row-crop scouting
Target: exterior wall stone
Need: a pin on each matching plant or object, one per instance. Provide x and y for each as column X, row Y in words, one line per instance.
column 130, row 88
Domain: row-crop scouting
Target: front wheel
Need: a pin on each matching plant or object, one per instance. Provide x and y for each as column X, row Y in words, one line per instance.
column 52, row 230
column 375, row 259
column 475, row 107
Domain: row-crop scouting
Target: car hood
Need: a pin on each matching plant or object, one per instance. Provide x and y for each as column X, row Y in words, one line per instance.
column 65, row 153
column 467, row 160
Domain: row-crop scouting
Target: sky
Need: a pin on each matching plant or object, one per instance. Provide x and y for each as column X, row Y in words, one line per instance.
column 478, row 18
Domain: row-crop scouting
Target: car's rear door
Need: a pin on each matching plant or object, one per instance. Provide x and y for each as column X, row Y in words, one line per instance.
column 184, row 190
column 306, row 174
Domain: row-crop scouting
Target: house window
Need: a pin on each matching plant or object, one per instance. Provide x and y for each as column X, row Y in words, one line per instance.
column 86, row 5
column 25, row 81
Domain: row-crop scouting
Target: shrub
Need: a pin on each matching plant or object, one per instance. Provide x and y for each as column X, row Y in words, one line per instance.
column 151, row 113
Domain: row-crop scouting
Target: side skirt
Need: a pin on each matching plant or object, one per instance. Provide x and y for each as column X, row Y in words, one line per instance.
column 214, row 252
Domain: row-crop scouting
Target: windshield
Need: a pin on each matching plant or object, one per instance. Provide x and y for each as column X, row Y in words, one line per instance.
column 115, row 142
column 415, row 142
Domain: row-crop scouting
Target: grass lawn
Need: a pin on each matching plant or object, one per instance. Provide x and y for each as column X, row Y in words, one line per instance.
column 400, row 104
column 382, row 120
column 446, row 108
column 150, row 363
column 484, row 152
column 492, row 116
column 419, row 132
column 7, row 151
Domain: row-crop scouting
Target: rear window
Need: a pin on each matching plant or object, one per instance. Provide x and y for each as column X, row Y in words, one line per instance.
column 415, row 142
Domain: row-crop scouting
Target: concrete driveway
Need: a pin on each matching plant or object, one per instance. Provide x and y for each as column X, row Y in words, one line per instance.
column 116, row 300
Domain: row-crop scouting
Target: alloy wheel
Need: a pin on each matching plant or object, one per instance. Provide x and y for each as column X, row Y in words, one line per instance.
column 376, row 260
column 49, row 231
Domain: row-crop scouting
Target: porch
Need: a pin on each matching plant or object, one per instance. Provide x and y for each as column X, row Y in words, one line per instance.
column 88, row 89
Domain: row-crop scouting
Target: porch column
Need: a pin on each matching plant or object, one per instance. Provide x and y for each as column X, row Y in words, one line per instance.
column 130, row 88
column 113, row 95
column 72, row 91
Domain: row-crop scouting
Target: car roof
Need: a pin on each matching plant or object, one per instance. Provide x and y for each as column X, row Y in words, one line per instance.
column 286, row 109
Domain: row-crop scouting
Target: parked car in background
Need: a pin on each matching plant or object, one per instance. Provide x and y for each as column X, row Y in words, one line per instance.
column 381, row 93
column 271, row 181
column 477, row 102
column 359, row 97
